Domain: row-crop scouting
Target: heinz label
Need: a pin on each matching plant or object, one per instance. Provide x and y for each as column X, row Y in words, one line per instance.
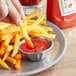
column 67, row 7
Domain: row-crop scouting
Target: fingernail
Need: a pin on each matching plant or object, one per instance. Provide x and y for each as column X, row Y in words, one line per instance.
column 19, row 22
column 23, row 15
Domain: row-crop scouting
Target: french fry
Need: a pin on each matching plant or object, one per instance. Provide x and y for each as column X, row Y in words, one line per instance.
column 7, row 41
column 29, row 24
column 13, row 40
column 4, row 37
column 17, row 65
column 34, row 14
column 30, row 21
column 1, row 41
column 11, row 60
column 10, row 29
column 36, row 28
column 39, row 20
column 5, row 56
column 16, row 45
column 0, row 56
column 9, row 48
column 33, row 21
column 18, row 56
column 26, row 37
column 51, row 36
column 4, row 25
column 47, row 29
column 4, row 64
column 41, row 33
column 43, row 22
column 2, row 50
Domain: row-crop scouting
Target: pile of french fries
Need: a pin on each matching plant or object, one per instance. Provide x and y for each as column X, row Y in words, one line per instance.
column 11, row 35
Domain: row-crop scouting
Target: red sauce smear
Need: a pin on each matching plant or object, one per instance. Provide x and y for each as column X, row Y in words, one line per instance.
column 39, row 45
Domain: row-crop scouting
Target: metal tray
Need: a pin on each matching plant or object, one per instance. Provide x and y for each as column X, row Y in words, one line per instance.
column 29, row 68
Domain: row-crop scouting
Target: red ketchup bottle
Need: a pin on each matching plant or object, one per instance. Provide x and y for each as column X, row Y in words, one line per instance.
column 62, row 12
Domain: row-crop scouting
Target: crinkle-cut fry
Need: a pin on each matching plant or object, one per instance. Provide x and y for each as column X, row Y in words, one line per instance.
column 16, row 45
column 7, row 41
column 18, row 56
column 5, row 56
column 32, row 15
column 51, row 36
column 11, row 60
column 9, row 48
column 33, row 21
column 47, row 29
column 4, row 25
column 39, row 20
column 11, row 29
column 26, row 37
column 2, row 50
column 4, row 64
column 17, row 65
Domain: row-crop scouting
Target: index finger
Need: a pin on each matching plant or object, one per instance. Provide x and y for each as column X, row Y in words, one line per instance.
column 19, row 8
column 13, row 13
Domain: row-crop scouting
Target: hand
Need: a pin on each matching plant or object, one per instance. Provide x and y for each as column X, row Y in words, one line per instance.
column 11, row 11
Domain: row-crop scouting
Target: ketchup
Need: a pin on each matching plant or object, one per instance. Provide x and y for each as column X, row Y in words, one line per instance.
column 62, row 12
column 39, row 45
column 29, row 2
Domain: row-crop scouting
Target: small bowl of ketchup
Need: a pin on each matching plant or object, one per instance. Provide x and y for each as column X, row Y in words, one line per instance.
column 42, row 46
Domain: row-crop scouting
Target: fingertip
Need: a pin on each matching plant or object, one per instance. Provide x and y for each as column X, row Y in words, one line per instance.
column 23, row 15
column 19, row 22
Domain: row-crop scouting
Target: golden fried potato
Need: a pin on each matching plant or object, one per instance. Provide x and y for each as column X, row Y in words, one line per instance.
column 11, row 60
column 4, row 64
column 16, row 45
column 11, row 35
column 17, row 65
